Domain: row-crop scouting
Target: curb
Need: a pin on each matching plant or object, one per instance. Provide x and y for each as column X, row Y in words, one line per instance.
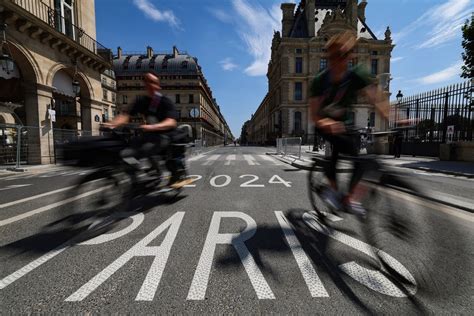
column 453, row 173
column 429, row 198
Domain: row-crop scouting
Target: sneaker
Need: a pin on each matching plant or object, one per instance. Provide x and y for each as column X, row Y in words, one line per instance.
column 331, row 197
column 356, row 208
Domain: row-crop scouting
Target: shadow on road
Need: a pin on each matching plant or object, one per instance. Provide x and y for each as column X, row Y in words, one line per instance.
column 75, row 228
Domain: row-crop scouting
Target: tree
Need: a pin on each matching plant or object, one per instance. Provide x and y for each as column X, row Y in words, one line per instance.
column 468, row 45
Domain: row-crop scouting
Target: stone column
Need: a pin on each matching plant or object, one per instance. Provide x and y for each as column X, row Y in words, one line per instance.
column 39, row 126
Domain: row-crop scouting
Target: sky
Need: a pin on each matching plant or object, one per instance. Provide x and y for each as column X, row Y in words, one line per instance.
column 232, row 40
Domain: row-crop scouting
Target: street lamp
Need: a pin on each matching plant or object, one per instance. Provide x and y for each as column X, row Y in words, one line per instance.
column 399, row 100
column 6, row 59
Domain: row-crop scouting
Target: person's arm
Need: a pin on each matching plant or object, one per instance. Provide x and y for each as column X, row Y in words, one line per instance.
column 165, row 125
column 120, row 119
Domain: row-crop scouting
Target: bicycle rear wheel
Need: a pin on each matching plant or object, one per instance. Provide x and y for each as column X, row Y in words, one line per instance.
column 317, row 183
column 396, row 229
column 95, row 197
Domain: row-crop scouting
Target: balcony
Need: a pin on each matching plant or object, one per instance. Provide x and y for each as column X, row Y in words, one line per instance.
column 47, row 25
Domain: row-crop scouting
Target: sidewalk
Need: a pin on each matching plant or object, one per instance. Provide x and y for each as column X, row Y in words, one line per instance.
column 427, row 164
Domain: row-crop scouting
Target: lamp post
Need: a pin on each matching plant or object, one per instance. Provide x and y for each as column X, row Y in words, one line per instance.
column 399, row 100
column 6, row 59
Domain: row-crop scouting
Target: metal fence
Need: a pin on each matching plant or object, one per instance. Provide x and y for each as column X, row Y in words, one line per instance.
column 21, row 145
column 289, row 146
column 438, row 114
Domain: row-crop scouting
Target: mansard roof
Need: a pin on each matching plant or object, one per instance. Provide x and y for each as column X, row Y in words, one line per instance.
column 175, row 62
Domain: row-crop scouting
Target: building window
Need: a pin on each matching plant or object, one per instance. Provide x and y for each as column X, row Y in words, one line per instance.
column 298, row 91
column 374, row 67
column 351, row 120
column 372, row 119
column 323, row 64
column 124, row 99
column 113, row 97
column 298, row 51
column 178, row 98
column 105, row 94
column 64, row 20
column 374, row 53
column 179, row 113
column 191, row 98
column 299, row 65
column 297, row 126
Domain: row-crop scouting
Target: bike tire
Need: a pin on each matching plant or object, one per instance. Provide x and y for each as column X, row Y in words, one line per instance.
column 394, row 226
column 96, row 196
column 317, row 182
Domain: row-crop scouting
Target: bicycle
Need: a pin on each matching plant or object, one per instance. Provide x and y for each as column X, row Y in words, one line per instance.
column 114, row 181
column 385, row 223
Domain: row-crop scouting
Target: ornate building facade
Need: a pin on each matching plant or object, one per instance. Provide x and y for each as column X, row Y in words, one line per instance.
column 298, row 54
column 183, row 81
column 58, row 65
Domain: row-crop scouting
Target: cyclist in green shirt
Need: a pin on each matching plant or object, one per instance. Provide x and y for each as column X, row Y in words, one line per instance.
column 333, row 92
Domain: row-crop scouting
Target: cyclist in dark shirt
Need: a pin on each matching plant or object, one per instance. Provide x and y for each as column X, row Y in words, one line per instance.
column 160, row 117
column 333, row 93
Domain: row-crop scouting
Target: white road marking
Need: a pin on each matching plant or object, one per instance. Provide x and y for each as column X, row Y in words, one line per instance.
column 370, row 278
column 198, row 287
column 273, row 160
column 251, row 161
column 211, row 160
column 141, row 249
column 47, row 207
column 229, row 159
column 315, row 286
column 32, row 265
column 35, row 197
column 15, row 186
column 226, row 181
column 197, row 157
column 137, row 220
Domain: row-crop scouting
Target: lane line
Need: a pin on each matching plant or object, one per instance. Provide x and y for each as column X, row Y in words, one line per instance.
column 35, row 197
column 47, row 208
column 15, row 186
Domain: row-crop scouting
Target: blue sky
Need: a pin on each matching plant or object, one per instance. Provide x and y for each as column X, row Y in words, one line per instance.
column 232, row 38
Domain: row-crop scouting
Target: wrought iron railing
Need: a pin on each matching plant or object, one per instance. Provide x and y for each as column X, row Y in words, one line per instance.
column 61, row 24
column 435, row 114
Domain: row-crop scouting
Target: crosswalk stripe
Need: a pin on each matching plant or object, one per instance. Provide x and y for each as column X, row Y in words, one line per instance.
column 273, row 160
column 197, row 157
column 228, row 159
column 211, row 160
column 251, row 161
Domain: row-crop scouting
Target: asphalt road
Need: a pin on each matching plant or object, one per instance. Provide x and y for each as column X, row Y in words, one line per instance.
column 241, row 239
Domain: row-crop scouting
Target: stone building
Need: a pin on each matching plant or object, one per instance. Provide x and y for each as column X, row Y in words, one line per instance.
column 298, row 54
column 58, row 65
column 182, row 80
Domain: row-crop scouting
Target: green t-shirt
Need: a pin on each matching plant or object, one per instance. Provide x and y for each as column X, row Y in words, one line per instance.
column 339, row 97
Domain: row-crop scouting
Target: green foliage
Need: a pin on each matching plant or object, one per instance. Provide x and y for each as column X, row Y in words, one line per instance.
column 468, row 45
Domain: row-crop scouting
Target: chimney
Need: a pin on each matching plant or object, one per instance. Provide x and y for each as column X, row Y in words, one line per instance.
column 149, row 52
column 351, row 12
column 175, row 52
column 288, row 19
column 310, row 9
column 119, row 52
column 361, row 10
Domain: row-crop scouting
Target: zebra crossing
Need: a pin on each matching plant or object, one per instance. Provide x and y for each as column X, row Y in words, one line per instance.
column 234, row 159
